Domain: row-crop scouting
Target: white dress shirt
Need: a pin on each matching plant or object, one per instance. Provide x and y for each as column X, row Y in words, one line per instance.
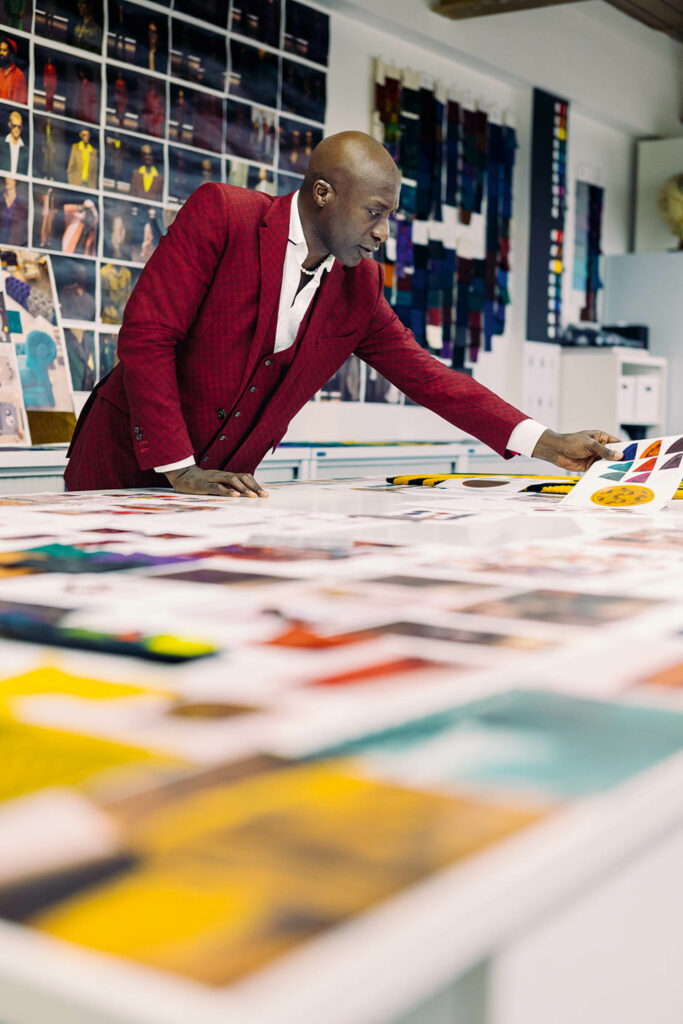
column 14, row 148
column 293, row 307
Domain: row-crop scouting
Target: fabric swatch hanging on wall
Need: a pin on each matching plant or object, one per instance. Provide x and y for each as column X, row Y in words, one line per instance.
column 548, row 204
column 588, row 246
column 455, row 164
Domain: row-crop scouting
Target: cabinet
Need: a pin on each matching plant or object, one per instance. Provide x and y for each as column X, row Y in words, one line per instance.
column 647, row 288
column 612, row 388
column 40, row 469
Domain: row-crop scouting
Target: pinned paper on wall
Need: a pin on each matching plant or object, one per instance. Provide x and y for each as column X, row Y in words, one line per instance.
column 646, row 478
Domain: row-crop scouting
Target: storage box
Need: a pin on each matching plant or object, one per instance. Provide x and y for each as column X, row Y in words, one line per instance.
column 647, row 398
column 626, row 403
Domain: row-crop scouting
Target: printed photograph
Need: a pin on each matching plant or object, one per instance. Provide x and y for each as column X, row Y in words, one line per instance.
column 133, row 166
column 76, row 22
column 116, row 284
column 303, row 90
column 564, row 607
column 257, row 19
column 65, row 221
column 137, row 36
column 297, row 142
column 13, row 212
column 307, row 32
column 250, row 132
column 287, row 183
column 13, row 68
column 131, row 230
column 196, row 118
column 254, row 74
column 261, row 179
column 80, row 348
column 106, row 351
column 30, row 300
column 75, row 281
column 64, row 86
column 198, row 55
column 213, row 10
column 345, row 385
column 14, row 428
column 66, row 152
column 15, row 129
column 188, row 170
column 135, row 102
column 379, row 389
column 16, row 14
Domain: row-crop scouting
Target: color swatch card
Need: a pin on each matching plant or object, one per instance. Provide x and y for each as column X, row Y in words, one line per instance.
column 644, row 480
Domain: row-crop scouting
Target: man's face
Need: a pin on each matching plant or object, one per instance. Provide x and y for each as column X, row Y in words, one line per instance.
column 356, row 221
column 15, row 125
column 4, row 52
column 146, row 155
column 84, row 136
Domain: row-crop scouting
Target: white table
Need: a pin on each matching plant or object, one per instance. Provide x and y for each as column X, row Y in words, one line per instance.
column 578, row 919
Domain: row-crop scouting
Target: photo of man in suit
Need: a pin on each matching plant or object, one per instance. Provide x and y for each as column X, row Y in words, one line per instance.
column 13, row 149
column 147, row 181
column 248, row 306
column 82, row 166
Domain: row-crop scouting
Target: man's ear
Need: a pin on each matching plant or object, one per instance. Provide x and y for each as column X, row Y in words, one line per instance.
column 323, row 192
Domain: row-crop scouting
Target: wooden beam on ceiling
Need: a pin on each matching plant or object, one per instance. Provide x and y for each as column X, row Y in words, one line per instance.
column 663, row 15
column 457, row 9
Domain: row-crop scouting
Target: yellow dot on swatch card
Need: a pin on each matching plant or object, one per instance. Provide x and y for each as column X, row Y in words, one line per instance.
column 557, row 266
column 562, row 133
column 623, row 496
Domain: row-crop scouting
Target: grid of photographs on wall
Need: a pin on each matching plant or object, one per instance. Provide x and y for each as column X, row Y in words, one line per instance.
column 114, row 111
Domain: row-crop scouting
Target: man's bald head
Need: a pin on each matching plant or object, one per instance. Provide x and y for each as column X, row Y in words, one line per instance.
column 349, row 157
column 351, row 188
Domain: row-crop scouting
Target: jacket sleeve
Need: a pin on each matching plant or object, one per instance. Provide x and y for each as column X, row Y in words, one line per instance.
column 158, row 316
column 391, row 349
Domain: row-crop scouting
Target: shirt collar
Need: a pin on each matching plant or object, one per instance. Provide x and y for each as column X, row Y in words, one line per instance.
column 8, row 138
column 297, row 238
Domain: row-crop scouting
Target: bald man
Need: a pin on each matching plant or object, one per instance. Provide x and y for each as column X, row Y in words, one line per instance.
column 248, row 306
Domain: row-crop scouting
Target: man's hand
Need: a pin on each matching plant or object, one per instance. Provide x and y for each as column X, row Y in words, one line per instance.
column 576, row 451
column 193, row 480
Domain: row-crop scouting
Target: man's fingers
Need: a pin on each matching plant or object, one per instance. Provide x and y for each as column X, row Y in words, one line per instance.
column 604, row 438
column 601, row 452
column 233, row 485
column 254, row 485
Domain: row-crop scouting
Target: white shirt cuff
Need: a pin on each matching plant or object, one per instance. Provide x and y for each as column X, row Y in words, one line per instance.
column 183, row 464
column 525, row 437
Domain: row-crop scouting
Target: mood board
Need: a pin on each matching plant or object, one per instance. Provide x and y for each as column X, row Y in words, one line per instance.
column 115, row 111
column 248, row 740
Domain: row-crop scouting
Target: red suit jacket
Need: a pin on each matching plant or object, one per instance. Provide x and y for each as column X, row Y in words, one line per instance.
column 193, row 333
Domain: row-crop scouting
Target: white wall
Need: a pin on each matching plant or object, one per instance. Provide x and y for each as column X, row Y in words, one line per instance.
column 622, row 79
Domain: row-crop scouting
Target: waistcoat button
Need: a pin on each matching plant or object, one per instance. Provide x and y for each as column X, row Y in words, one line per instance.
column 252, row 388
column 222, row 437
column 267, row 362
column 238, row 413
column 221, row 414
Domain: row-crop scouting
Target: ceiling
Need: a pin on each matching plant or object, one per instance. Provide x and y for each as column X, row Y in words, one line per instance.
column 663, row 15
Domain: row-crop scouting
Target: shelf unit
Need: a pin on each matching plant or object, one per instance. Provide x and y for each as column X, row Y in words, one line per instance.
column 612, row 388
